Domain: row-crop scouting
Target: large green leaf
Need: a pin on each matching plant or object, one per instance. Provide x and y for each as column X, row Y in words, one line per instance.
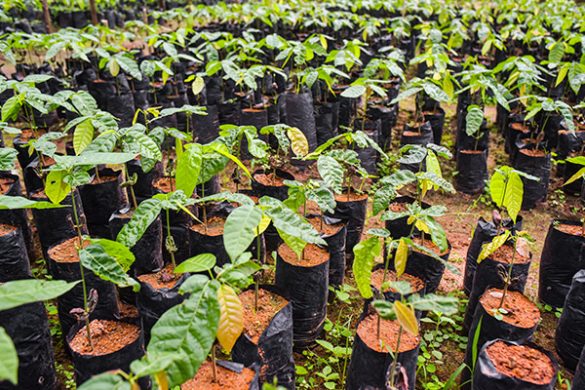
column 446, row 305
column 473, row 120
column 8, row 358
column 188, row 169
column 144, row 215
column 354, row 91
column 7, row 157
column 120, row 252
column 56, row 188
column 365, row 254
column 18, row 202
column 289, row 222
column 11, row 108
column 187, row 331
column 107, row 380
column 95, row 258
column 200, row 263
column 507, row 190
column 82, row 136
column 331, row 171
column 21, row 292
column 240, row 229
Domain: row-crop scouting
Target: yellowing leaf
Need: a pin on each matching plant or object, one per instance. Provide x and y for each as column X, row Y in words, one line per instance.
column 489, row 248
column 198, row 85
column 231, row 319
column 264, row 223
column 298, row 142
column 161, row 380
column 580, row 173
column 114, row 67
column 55, row 188
column 401, row 257
column 420, row 225
column 82, row 136
column 406, row 317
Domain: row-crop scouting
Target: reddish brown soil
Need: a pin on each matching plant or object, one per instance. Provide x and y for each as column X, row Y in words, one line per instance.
column 522, row 313
column 39, row 195
column 164, row 278
column 351, row 197
column 256, row 321
column 427, row 243
column 411, row 133
column 533, row 152
column 6, row 229
column 107, row 337
column 324, row 228
column 398, row 207
column 270, row 179
column 26, row 135
column 517, row 126
column 5, row 185
column 471, row 151
column 416, row 284
column 504, row 255
column 312, row 256
column 522, row 362
column 368, row 333
column 575, row 230
column 226, row 379
column 254, row 109
column 66, row 252
column 165, row 184
column 127, row 310
column 214, row 226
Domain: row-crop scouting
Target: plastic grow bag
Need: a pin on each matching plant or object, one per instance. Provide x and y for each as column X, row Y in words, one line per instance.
column 14, row 262
column 354, row 213
column 563, row 255
column 570, row 334
column 273, row 353
column 471, row 172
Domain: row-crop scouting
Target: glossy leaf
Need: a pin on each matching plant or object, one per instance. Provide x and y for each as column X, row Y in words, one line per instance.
column 7, row 158
column 19, row 202
column 200, row 263
column 56, row 188
column 8, row 359
column 365, row 254
column 21, row 292
column 188, row 169
column 331, row 171
column 240, row 229
column 144, row 215
column 95, row 258
column 82, row 136
column 187, row 331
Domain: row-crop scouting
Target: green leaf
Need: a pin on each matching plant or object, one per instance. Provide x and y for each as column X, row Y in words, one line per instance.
column 354, row 91
column 21, row 292
column 143, row 145
column 365, row 253
column 435, row 92
column 331, row 171
column 18, row 202
column 200, row 263
column 289, row 222
column 129, row 66
column 95, row 258
column 231, row 320
column 95, row 158
column 82, row 136
column 7, row 157
column 473, row 120
column 443, row 304
column 146, row 213
column 8, row 359
column 118, row 251
column 556, row 53
column 188, row 169
column 240, row 229
column 11, row 108
column 56, row 188
column 107, row 380
column 188, row 330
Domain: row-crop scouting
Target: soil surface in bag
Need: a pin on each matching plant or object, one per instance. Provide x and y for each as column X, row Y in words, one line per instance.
column 563, row 255
column 227, row 379
column 570, row 334
column 416, row 284
column 267, row 339
column 266, row 183
column 487, row 275
column 106, row 336
column 504, row 365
